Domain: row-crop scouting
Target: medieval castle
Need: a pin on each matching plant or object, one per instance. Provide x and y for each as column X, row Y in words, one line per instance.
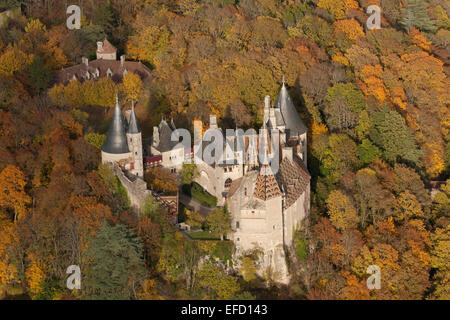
column 266, row 207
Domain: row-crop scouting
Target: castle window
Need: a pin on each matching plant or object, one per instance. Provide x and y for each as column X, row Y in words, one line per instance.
column 245, row 191
column 228, row 183
column 135, row 153
column 237, row 224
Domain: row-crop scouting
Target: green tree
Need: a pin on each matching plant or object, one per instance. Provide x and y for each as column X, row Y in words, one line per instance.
column 217, row 283
column 219, row 222
column 248, row 269
column 415, row 14
column 390, row 132
column 188, row 173
column 39, row 75
column 96, row 139
column 114, row 266
column 368, row 152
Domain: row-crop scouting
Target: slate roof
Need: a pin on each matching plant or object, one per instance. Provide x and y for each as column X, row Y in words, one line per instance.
column 133, row 126
column 116, row 140
column 294, row 125
column 165, row 134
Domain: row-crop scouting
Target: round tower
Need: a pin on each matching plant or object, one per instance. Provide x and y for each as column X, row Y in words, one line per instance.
column 134, row 138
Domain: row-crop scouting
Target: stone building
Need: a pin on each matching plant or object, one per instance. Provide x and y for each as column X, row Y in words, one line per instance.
column 123, row 144
column 106, row 65
column 266, row 207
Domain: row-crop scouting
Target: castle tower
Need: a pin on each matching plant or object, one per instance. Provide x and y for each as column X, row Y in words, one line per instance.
column 134, row 138
column 295, row 129
column 115, row 147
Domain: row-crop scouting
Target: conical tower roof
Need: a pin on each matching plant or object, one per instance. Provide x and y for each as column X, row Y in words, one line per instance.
column 116, row 140
column 290, row 115
column 134, row 125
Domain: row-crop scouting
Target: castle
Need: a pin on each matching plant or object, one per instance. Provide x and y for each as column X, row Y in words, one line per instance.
column 266, row 207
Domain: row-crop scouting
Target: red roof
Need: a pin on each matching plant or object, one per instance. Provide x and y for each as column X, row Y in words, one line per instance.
column 107, row 47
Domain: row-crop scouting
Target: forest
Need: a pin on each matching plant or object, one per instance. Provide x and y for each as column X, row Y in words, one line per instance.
column 376, row 103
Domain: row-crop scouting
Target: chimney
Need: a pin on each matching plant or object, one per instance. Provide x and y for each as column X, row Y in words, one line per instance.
column 85, row 61
column 267, row 102
column 288, row 153
column 266, row 108
column 212, row 121
column 155, row 136
column 122, row 61
column 198, row 131
column 100, row 46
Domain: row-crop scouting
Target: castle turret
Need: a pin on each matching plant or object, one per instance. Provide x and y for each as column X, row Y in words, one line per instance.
column 134, row 137
column 115, row 147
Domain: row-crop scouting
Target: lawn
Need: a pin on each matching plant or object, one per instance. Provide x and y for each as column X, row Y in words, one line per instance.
column 195, row 191
column 203, row 235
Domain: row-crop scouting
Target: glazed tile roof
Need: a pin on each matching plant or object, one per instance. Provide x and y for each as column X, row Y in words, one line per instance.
column 266, row 186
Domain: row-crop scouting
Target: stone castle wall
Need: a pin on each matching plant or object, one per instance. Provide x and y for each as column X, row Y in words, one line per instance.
column 137, row 189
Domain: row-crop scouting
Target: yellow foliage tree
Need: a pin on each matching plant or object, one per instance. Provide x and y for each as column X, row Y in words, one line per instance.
column 8, row 240
column 132, row 86
column 35, row 275
column 434, row 159
column 148, row 291
column 148, row 43
column 12, row 190
column 13, row 60
column 338, row 8
column 409, row 206
column 350, row 27
column 343, row 214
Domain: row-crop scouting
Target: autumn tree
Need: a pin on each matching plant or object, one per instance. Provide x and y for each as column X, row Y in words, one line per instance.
column 217, row 283
column 132, row 86
column 12, row 190
column 218, row 222
column 342, row 212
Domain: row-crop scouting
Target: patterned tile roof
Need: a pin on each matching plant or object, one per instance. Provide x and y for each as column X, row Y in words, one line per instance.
column 266, row 186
